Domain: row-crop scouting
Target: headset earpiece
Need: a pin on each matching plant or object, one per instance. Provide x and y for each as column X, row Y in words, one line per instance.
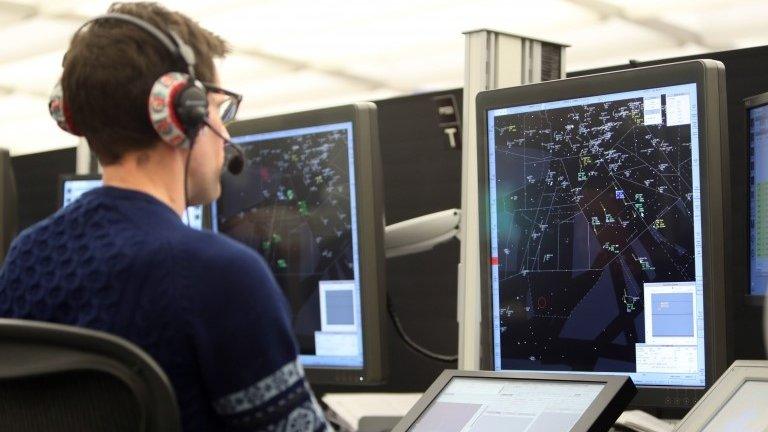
column 178, row 106
column 178, row 103
column 191, row 106
column 59, row 111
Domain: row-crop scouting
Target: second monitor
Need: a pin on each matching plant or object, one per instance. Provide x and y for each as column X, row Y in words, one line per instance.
column 604, row 227
column 309, row 201
column 757, row 133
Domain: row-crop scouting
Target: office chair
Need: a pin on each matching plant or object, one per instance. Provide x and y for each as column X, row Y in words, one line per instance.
column 61, row 378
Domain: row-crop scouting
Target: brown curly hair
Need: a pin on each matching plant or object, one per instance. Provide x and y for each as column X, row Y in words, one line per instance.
column 110, row 67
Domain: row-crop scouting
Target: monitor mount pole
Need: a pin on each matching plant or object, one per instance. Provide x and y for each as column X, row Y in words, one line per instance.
column 492, row 60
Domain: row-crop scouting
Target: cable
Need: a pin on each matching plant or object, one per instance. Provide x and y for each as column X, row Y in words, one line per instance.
column 410, row 342
column 186, row 180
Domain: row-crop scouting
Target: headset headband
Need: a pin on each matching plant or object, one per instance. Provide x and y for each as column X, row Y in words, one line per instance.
column 177, row 105
column 174, row 44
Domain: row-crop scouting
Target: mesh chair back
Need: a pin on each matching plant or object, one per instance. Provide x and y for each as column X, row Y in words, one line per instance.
column 62, row 378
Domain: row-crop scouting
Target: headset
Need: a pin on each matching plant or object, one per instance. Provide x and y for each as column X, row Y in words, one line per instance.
column 177, row 104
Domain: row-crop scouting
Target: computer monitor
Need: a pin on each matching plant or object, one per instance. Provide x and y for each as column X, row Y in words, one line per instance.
column 602, row 226
column 757, row 134
column 486, row 401
column 736, row 402
column 8, row 204
column 72, row 186
column 309, row 200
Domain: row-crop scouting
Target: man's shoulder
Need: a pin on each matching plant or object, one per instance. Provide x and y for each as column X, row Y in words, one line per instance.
column 222, row 275
column 212, row 254
column 209, row 247
column 77, row 224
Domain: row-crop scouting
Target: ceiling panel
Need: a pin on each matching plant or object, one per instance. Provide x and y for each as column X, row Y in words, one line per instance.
column 11, row 15
column 34, row 75
column 300, row 54
column 292, row 19
column 415, row 72
column 193, row 8
column 19, row 5
column 579, row 64
column 599, row 44
column 294, row 87
column 329, row 100
column 335, row 39
column 726, row 21
column 237, row 68
column 666, row 7
column 34, row 37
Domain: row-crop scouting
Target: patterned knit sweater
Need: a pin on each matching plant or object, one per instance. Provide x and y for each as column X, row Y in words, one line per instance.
column 206, row 308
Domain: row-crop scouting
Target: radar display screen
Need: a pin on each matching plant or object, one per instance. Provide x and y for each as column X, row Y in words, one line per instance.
column 758, row 198
column 596, row 238
column 295, row 204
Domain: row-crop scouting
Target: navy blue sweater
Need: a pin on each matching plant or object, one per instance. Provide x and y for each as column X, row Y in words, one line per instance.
column 206, row 308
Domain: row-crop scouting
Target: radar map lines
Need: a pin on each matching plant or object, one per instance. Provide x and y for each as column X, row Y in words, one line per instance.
column 592, row 200
column 299, row 217
column 295, row 204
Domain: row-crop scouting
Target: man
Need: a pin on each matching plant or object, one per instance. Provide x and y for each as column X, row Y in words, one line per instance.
column 120, row 259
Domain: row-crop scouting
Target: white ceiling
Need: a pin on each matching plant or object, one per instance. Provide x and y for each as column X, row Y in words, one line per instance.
column 299, row 54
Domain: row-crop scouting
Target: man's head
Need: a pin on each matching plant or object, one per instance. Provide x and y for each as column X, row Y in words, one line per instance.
column 109, row 70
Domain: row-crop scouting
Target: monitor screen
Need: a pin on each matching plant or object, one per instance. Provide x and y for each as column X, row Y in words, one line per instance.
column 507, row 405
column 744, row 411
column 758, row 198
column 595, row 236
column 73, row 188
column 295, row 203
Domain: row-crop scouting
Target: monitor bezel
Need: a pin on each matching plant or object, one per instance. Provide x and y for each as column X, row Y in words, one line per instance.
column 370, row 216
column 750, row 103
column 708, row 75
column 721, row 392
column 617, row 392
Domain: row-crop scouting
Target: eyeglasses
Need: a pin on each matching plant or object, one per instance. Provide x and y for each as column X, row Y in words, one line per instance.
column 228, row 108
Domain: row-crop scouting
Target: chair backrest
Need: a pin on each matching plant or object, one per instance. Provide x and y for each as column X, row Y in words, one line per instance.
column 64, row 378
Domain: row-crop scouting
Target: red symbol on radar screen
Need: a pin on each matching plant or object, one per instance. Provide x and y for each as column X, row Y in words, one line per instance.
column 542, row 302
